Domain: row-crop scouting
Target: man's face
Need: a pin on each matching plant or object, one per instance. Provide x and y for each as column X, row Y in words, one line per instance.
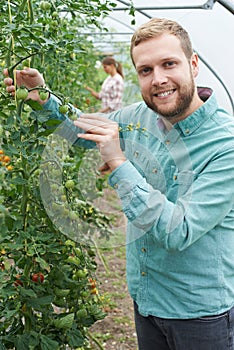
column 166, row 77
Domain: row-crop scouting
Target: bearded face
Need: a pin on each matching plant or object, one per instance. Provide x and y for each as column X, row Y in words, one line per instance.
column 166, row 77
column 162, row 101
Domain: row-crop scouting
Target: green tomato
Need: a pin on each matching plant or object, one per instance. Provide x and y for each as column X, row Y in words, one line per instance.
column 63, row 109
column 78, row 251
column 69, row 242
column 63, row 198
column 73, row 117
column 85, row 294
column 73, row 260
column 72, row 215
column 21, row 94
column 45, row 5
column 43, row 95
column 69, row 184
column 55, row 14
column 54, row 187
column 54, row 23
column 65, row 212
column 81, row 273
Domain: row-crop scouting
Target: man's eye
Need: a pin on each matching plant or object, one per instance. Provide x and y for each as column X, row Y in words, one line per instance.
column 144, row 71
column 169, row 64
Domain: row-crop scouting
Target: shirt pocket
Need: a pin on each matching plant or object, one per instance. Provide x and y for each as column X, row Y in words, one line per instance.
column 183, row 181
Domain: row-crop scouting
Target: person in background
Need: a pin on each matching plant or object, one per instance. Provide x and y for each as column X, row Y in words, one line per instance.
column 112, row 88
column 174, row 175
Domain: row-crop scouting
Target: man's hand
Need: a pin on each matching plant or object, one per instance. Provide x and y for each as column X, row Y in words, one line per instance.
column 28, row 77
column 105, row 133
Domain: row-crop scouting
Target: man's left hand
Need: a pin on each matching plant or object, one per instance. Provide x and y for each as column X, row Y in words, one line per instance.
column 105, row 133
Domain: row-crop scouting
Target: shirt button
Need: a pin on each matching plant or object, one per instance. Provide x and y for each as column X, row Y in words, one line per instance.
column 155, row 171
column 143, row 250
column 175, row 177
column 143, row 273
column 136, row 154
column 187, row 131
column 167, row 142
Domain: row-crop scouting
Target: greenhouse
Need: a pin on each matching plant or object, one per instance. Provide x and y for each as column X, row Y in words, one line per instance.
column 116, row 175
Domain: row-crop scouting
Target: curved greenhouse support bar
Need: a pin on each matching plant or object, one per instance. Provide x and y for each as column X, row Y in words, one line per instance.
column 219, row 79
column 206, row 6
column 229, row 5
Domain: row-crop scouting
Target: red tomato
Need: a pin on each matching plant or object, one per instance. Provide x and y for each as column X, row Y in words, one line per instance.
column 37, row 277
column 18, row 282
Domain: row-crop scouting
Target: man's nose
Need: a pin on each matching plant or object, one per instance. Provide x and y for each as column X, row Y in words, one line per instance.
column 159, row 77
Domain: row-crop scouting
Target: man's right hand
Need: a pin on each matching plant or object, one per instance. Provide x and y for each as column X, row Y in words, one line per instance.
column 28, row 77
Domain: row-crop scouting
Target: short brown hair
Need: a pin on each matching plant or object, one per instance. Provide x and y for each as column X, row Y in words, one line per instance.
column 158, row 26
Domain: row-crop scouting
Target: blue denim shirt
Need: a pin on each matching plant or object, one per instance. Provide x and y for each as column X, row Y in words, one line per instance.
column 177, row 191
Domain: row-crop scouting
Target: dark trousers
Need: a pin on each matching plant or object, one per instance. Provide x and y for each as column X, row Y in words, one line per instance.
column 205, row 333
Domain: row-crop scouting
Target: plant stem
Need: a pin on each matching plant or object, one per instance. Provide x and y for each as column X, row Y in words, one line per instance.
column 24, row 194
column 31, row 20
column 95, row 341
column 27, row 317
column 11, row 42
column 30, row 11
column 101, row 257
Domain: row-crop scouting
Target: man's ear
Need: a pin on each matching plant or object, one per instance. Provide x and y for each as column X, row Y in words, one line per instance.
column 194, row 64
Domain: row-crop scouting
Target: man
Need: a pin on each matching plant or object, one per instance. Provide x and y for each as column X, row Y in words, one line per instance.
column 173, row 171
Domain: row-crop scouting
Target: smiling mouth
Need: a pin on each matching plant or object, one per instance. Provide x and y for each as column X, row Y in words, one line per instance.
column 165, row 93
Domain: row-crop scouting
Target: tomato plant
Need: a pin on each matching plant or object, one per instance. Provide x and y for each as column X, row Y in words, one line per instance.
column 46, row 300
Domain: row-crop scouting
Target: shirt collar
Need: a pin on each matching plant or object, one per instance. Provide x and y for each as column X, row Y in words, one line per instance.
column 193, row 121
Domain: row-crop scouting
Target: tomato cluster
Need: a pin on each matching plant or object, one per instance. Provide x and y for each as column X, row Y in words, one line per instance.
column 93, row 286
column 5, row 160
column 37, row 277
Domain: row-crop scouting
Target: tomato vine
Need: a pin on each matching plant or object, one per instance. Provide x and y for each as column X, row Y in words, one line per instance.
column 46, row 298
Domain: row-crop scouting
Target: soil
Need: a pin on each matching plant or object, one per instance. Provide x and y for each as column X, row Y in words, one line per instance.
column 117, row 330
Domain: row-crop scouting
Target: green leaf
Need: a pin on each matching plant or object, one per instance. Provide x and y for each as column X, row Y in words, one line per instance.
column 26, row 341
column 64, row 322
column 34, row 340
column 22, row 342
column 53, row 122
column 18, row 181
column 12, row 150
column 43, row 264
column 42, row 116
column 37, row 302
column 27, row 293
column 2, row 347
column 47, row 343
column 34, row 105
column 75, row 338
column 10, row 313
